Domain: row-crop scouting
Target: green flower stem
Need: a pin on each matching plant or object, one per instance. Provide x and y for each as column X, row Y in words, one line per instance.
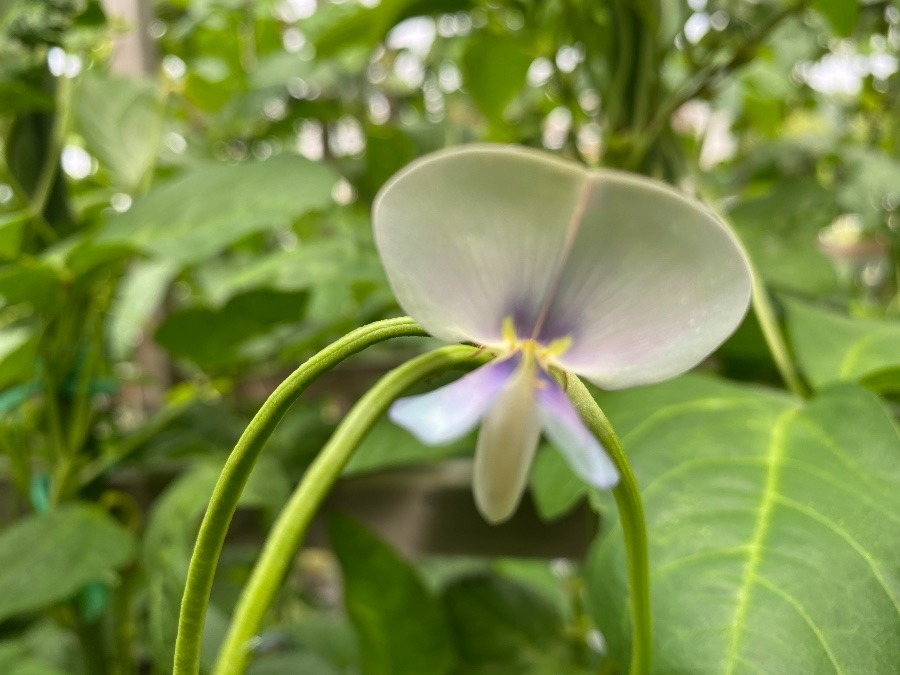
column 765, row 314
column 631, row 514
column 287, row 533
column 237, row 470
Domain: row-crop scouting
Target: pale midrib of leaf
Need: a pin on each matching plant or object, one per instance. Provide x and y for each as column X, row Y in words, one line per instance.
column 774, row 459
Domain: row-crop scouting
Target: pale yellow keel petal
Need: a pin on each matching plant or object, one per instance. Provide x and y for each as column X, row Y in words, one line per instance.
column 506, row 445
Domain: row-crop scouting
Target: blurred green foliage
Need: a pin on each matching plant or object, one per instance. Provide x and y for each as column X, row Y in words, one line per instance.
column 177, row 232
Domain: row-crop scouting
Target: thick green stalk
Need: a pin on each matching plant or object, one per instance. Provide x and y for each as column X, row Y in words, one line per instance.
column 284, row 540
column 634, row 530
column 237, row 470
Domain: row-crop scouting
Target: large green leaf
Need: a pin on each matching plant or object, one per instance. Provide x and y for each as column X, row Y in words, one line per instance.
column 494, row 69
column 196, row 215
column 121, row 121
column 400, row 625
column 45, row 559
column 773, row 531
column 832, row 347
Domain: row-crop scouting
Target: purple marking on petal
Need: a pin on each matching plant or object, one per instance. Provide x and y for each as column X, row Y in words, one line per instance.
column 443, row 415
column 563, row 426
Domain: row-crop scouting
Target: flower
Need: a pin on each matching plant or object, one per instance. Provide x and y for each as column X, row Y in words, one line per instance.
column 552, row 267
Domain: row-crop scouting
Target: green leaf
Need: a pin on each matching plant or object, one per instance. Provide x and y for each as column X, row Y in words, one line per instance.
column 555, row 488
column 18, row 97
column 120, row 120
column 12, row 226
column 319, row 263
column 292, row 662
column 138, row 295
column 46, row 559
column 505, row 627
column 400, row 625
column 367, row 26
column 200, row 213
column 218, row 337
column 16, row 659
column 18, row 351
column 869, row 185
column 389, row 446
column 329, row 637
column 30, row 281
column 494, row 69
column 780, row 230
column 836, row 348
column 773, row 531
column 43, row 648
column 841, row 14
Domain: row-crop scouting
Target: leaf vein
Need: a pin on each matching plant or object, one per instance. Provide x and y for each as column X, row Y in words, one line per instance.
column 774, row 458
column 803, row 614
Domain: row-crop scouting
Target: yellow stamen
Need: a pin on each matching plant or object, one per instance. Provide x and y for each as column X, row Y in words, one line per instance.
column 509, row 331
column 531, row 348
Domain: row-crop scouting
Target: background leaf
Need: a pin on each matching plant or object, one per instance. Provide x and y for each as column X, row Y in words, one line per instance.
column 218, row 337
column 494, row 69
column 45, row 559
column 506, row 628
column 400, row 624
column 832, row 347
column 121, row 123
column 780, row 229
column 841, row 14
column 201, row 212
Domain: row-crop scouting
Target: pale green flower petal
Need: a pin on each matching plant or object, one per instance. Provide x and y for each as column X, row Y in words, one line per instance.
column 506, row 445
column 646, row 282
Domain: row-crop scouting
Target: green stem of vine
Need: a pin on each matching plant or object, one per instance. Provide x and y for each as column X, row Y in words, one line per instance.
column 768, row 322
column 631, row 514
column 287, row 533
column 237, row 470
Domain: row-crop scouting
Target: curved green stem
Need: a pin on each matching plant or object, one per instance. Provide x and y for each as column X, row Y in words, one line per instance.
column 765, row 314
column 237, row 470
column 631, row 515
column 287, row 533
